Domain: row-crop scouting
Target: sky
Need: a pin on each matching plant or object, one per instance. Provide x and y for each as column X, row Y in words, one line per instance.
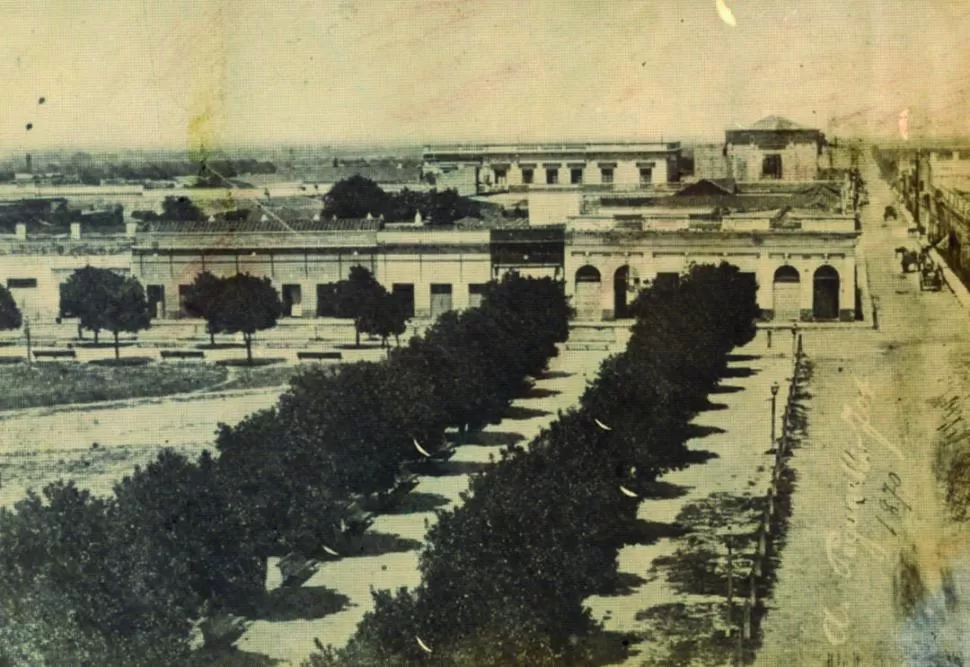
column 223, row 73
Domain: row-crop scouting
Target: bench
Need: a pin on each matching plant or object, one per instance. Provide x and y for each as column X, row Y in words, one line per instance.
column 54, row 354
column 182, row 354
column 308, row 354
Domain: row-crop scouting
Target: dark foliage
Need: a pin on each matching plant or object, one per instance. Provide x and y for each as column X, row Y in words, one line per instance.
column 357, row 196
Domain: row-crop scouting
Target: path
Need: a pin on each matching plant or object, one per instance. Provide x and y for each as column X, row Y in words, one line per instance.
column 292, row 641
column 741, row 467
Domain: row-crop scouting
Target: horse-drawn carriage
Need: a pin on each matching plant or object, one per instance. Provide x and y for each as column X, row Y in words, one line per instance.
column 930, row 273
column 910, row 259
column 890, row 214
column 930, row 276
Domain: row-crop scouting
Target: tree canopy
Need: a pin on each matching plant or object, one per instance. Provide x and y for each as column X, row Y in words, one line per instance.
column 247, row 304
column 358, row 196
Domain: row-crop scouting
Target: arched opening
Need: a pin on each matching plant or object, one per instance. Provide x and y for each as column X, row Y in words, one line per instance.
column 588, row 293
column 786, row 293
column 825, row 301
column 621, row 283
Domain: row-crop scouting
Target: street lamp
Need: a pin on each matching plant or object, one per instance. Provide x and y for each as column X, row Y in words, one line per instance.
column 794, row 338
column 774, row 397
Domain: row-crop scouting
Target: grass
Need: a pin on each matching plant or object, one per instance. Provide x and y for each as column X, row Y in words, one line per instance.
column 60, row 383
column 253, row 377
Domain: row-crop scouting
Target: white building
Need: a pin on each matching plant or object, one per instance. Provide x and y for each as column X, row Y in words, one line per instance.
column 517, row 167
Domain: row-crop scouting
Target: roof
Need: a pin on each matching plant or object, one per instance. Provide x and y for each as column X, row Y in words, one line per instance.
column 709, row 186
column 776, row 123
column 258, row 225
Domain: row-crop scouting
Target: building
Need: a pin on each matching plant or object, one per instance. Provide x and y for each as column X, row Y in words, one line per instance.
column 518, row 167
column 773, row 149
column 799, row 245
column 796, row 241
column 430, row 270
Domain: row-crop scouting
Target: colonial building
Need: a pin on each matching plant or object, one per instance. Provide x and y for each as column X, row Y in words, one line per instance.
column 799, row 246
column 518, row 167
column 797, row 242
column 773, row 149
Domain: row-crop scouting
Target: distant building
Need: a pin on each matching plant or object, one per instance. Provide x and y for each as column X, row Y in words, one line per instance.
column 773, row 149
column 519, row 167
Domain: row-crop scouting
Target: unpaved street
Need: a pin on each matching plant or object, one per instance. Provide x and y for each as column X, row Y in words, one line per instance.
column 869, row 535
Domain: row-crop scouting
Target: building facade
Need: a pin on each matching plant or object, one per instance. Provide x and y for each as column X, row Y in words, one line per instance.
column 518, row 167
column 773, row 149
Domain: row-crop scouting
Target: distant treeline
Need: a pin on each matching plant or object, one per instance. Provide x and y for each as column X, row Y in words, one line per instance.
column 93, row 174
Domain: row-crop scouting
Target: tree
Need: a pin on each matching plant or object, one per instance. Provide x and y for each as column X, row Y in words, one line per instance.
column 126, row 310
column 359, row 297
column 247, row 305
column 202, row 300
column 388, row 318
column 182, row 209
column 9, row 312
column 87, row 293
column 355, row 197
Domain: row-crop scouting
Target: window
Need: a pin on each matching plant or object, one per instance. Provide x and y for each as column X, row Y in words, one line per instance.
column 501, row 175
column 183, row 293
column 576, row 176
column 606, row 174
column 771, row 166
column 646, row 176
column 552, row 176
column 20, row 283
column 528, row 176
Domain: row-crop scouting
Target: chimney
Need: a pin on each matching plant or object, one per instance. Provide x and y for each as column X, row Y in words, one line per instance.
column 131, row 228
column 21, row 231
column 75, row 231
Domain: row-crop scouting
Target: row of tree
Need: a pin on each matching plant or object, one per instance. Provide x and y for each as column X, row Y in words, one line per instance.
column 505, row 575
column 358, row 196
column 118, row 580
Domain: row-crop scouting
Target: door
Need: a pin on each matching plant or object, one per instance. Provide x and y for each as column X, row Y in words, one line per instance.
column 440, row 298
column 787, row 290
column 156, row 300
column 587, row 293
column 404, row 293
column 825, row 302
column 292, row 301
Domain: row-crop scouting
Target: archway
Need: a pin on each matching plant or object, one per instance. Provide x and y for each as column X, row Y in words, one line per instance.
column 621, row 282
column 588, row 293
column 786, row 293
column 825, row 301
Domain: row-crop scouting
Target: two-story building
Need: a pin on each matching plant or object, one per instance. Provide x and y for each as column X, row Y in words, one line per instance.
column 518, row 167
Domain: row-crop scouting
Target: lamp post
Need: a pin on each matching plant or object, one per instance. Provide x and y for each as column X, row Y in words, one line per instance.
column 794, row 338
column 27, row 334
column 774, row 397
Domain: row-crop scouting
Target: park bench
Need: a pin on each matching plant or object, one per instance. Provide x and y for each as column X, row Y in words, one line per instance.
column 54, row 354
column 182, row 354
column 310, row 354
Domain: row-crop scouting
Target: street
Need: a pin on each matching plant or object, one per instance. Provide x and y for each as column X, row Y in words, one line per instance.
column 869, row 536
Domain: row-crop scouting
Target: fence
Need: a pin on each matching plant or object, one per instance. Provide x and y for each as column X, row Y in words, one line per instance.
column 772, row 520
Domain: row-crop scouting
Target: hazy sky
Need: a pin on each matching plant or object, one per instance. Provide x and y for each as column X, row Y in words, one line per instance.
column 175, row 74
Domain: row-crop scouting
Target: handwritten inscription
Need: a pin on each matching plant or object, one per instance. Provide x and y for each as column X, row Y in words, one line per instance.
column 843, row 545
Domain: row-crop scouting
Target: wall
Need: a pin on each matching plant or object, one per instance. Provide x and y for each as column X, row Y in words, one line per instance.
column 647, row 255
column 41, row 304
column 799, row 162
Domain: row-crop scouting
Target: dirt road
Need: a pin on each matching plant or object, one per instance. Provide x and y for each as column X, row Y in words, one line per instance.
column 869, row 535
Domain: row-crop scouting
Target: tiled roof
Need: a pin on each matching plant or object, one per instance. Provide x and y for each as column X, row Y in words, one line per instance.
column 262, row 224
